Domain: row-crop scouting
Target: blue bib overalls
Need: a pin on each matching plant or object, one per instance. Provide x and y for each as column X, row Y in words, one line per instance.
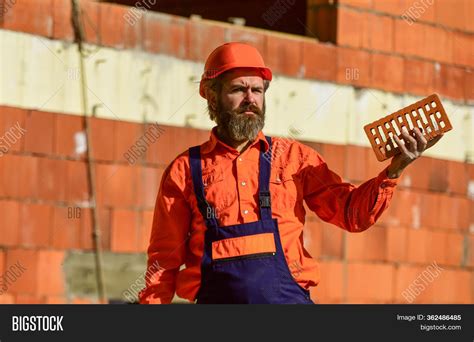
column 257, row 278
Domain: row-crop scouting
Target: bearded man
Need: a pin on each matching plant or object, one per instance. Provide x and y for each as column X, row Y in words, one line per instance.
column 229, row 215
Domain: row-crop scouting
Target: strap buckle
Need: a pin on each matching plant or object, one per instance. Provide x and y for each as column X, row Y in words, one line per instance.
column 265, row 199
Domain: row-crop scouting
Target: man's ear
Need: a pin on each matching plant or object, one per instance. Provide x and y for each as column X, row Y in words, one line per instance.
column 212, row 98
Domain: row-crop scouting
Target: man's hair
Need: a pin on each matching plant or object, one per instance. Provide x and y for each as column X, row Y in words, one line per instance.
column 214, row 85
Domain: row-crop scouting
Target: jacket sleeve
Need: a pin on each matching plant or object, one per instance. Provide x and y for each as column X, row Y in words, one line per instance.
column 352, row 208
column 166, row 252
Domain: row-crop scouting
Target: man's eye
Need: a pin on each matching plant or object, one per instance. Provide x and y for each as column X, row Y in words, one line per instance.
column 259, row 91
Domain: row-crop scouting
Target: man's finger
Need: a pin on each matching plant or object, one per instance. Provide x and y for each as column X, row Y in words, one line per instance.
column 412, row 146
column 420, row 140
column 400, row 144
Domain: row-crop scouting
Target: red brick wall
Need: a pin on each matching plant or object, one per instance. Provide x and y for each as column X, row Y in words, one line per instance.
column 42, row 176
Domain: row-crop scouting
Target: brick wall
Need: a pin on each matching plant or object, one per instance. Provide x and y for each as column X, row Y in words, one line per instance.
column 431, row 217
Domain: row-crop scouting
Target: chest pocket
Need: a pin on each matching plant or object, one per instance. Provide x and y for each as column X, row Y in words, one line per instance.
column 219, row 194
column 283, row 189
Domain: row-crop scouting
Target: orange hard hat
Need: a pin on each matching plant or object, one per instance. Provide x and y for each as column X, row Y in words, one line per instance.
column 230, row 56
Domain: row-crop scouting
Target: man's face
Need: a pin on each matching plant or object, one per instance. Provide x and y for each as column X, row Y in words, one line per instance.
column 240, row 105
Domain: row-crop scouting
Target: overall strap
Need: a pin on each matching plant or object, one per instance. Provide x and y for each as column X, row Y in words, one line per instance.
column 208, row 212
column 264, row 180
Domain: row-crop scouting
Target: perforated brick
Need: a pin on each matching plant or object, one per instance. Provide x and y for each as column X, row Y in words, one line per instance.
column 427, row 114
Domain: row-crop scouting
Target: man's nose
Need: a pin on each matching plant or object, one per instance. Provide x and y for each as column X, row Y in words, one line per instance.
column 249, row 96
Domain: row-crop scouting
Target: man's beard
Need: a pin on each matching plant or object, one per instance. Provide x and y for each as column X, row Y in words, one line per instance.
column 237, row 125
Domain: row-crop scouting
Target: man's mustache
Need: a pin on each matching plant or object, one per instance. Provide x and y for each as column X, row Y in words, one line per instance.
column 250, row 108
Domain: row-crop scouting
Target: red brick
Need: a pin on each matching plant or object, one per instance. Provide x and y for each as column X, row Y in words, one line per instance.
column 203, row 38
column 369, row 245
column 62, row 27
column 407, row 291
column 438, row 175
column 50, row 273
column 353, row 67
column 429, row 210
column 468, row 88
column 105, row 218
column 19, row 176
column 421, row 11
column 334, row 155
column 332, row 241
column 398, row 214
column 369, row 283
column 148, row 184
column 454, row 213
column 395, row 7
column 470, row 244
column 319, row 61
column 450, row 13
column 77, row 181
column 356, row 163
column 331, row 287
column 449, row 81
column 2, row 263
column 247, row 36
column 116, row 185
column 85, row 229
column 165, row 34
column 27, row 282
column 312, row 238
column 85, row 238
column 454, row 246
column 52, row 183
column 117, row 27
column 417, row 245
column 408, row 38
column 396, row 246
column 436, row 247
column 453, row 287
column 458, row 177
column 352, row 28
column 40, row 132
column 19, row 17
column 103, row 137
column 387, row 72
column 284, row 55
column 7, row 299
column 10, row 222
column 126, row 135
column 469, row 24
column 125, row 231
column 145, row 230
column 437, row 45
column 91, row 20
column 12, row 121
column 381, row 33
column 179, row 138
column 419, row 76
column 28, row 299
column 463, row 48
column 65, row 228
column 415, row 176
column 67, row 127
column 36, row 225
